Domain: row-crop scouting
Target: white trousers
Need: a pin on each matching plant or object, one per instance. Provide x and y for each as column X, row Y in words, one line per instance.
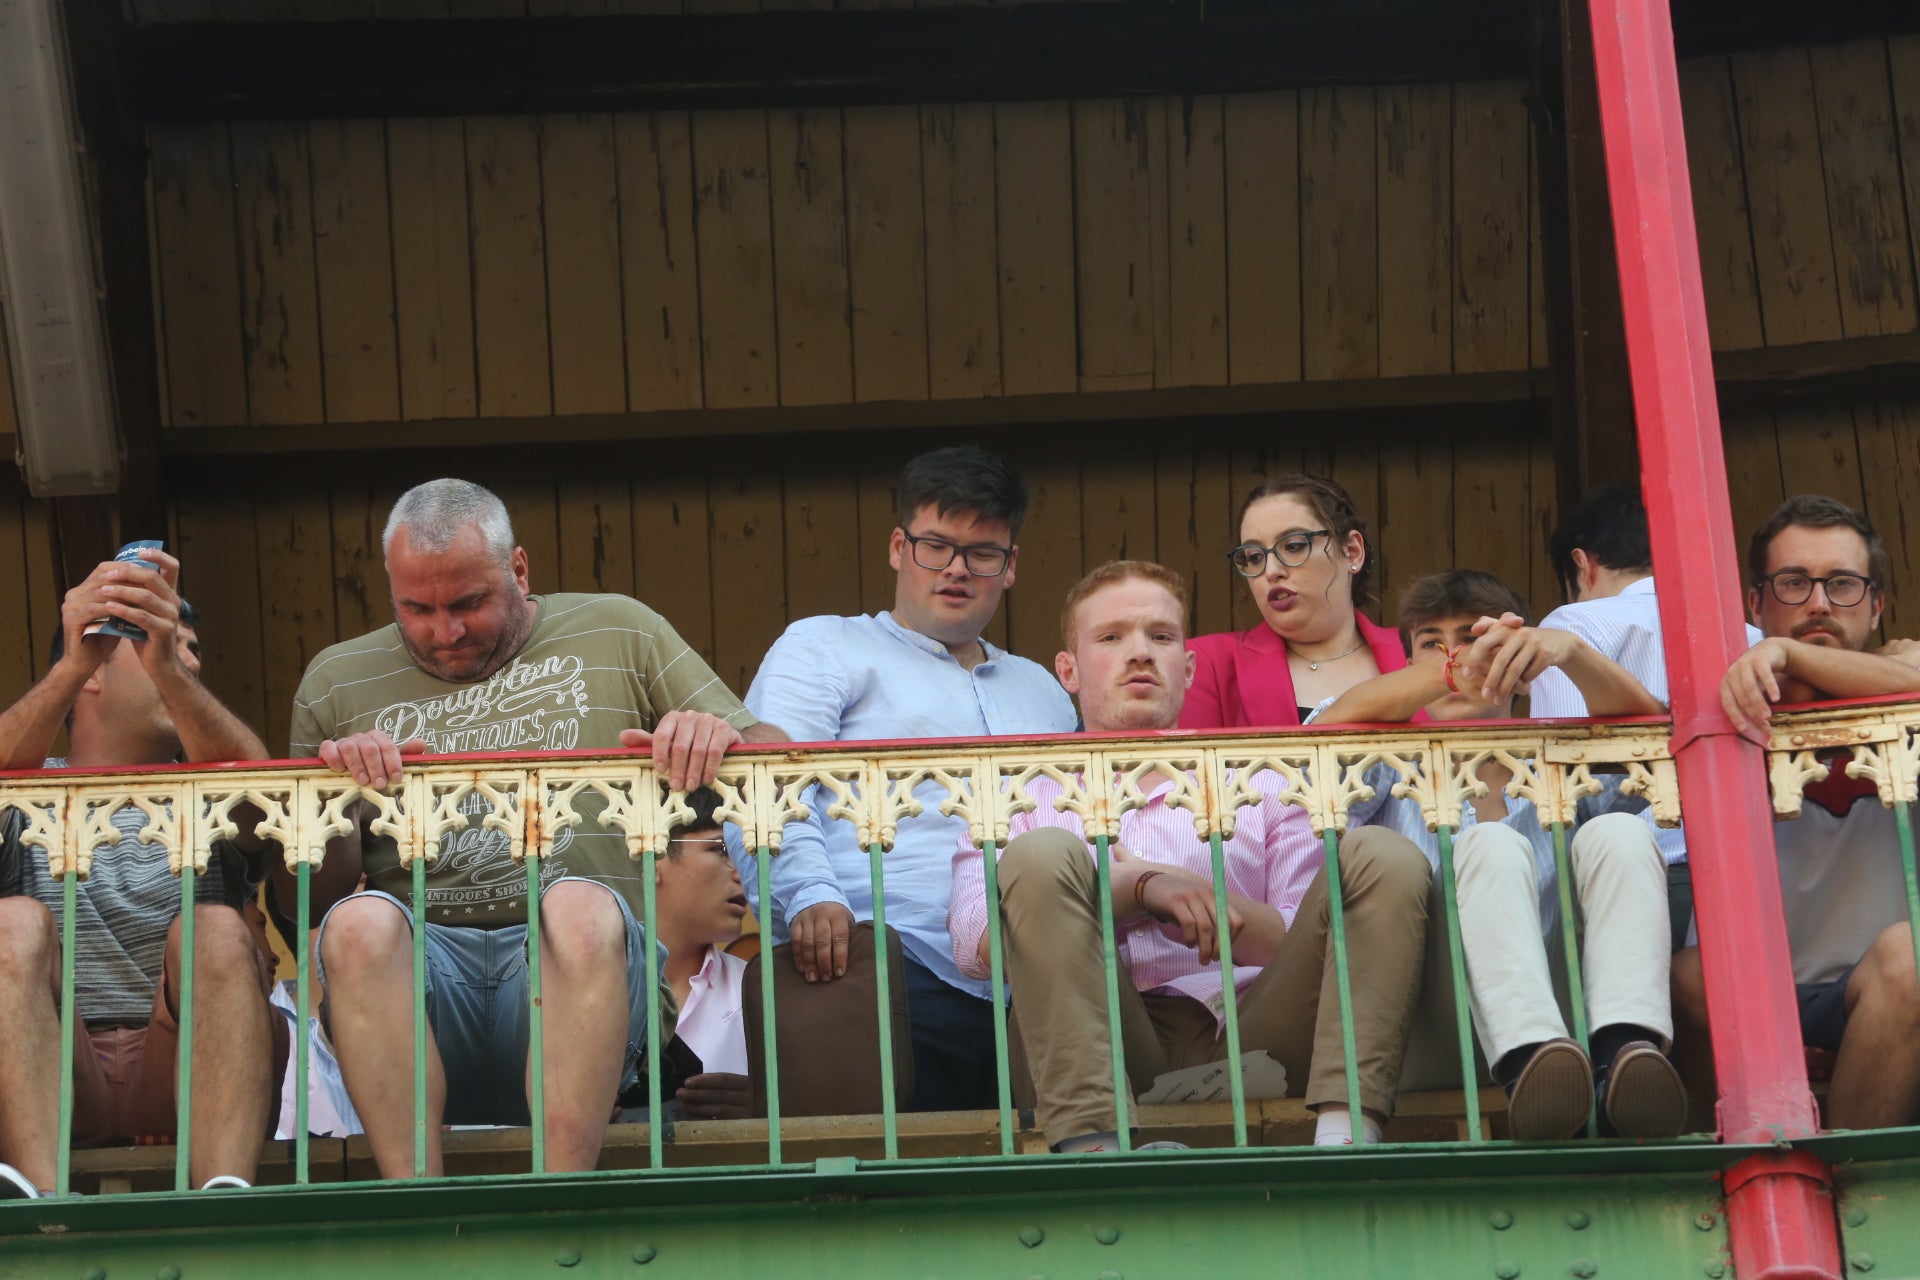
column 1620, row 892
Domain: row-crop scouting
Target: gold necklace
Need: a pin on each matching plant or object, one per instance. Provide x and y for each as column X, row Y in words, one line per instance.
column 1313, row 664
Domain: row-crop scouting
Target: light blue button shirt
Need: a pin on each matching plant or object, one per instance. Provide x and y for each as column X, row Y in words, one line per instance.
column 834, row 679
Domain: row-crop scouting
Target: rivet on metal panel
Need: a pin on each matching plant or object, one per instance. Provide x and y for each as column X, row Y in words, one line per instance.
column 644, row 1253
column 1705, row 1221
column 1578, row 1220
column 1860, row 1261
column 1856, row 1216
column 1714, row 1268
column 1500, row 1219
column 1032, row 1236
column 568, row 1257
column 1585, row 1267
column 1106, row 1235
column 1506, row 1269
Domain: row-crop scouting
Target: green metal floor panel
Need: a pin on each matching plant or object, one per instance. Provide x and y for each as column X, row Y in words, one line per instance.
column 1177, row 1218
column 1877, row 1180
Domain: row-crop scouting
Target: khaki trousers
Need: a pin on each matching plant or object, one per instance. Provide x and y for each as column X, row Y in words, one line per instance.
column 1516, row 977
column 1051, row 915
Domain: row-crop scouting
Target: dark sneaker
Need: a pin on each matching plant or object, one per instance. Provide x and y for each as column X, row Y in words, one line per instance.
column 15, row 1185
column 1642, row 1095
column 1550, row 1099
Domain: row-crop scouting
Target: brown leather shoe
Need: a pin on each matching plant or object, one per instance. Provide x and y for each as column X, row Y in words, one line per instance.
column 1644, row 1096
column 1551, row 1099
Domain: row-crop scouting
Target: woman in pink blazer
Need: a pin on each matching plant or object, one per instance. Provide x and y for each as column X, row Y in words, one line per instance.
column 1303, row 552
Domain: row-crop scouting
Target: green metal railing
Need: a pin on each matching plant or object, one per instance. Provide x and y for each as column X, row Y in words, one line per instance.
column 979, row 787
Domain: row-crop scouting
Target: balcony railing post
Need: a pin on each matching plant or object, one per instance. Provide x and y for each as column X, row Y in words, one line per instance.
column 1229, row 990
column 1570, row 948
column 302, row 1031
column 997, row 968
column 770, row 1037
column 1457, row 975
column 183, row 1137
column 537, row 1017
column 69, row 908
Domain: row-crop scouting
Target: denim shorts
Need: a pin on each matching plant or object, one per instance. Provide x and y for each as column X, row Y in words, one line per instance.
column 477, row 1007
column 1823, row 1011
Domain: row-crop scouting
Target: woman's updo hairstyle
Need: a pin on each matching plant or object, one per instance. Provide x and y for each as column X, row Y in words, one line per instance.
column 1332, row 506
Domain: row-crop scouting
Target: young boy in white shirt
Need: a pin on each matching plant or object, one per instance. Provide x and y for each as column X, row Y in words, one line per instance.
column 1470, row 653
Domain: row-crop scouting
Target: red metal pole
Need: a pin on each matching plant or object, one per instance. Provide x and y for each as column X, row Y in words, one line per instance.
column 1780, row 1214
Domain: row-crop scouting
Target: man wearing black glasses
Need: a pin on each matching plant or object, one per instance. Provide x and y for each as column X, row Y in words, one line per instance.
column 920, row 670
column 1818, row 570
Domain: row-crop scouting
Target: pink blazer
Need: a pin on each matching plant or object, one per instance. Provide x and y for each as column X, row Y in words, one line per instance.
column 1241, row 680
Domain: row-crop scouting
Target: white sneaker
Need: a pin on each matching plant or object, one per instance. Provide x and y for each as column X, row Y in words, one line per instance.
column 224, row 1180
column 15, row 1185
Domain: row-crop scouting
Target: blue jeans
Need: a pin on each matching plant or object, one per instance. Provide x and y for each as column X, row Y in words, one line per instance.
column 477, row 1006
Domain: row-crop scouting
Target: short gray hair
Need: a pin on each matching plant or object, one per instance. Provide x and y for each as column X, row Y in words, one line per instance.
column 437, row 512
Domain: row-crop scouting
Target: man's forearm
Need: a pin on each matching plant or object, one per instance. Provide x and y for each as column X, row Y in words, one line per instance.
column 29, row 726
column 208, row 731
column 1608, row 687
column 764, row 732
column 1844, row 673
column 1388, row 699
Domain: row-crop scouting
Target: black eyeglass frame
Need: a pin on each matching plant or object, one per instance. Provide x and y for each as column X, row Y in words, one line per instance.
column 956, row 549
column 1256, row 568
column 1867, row 587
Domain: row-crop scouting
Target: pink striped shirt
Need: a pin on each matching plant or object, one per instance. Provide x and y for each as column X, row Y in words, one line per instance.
column 1273, row 858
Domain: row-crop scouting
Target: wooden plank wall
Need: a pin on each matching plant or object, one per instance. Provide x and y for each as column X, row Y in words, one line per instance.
column 391, row 271
column 313, row 272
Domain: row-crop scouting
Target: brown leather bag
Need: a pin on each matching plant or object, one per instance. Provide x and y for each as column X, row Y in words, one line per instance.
column 829, row 1032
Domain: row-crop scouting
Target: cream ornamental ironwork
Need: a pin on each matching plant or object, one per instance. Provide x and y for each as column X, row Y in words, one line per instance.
column 1802, row 748
column 530, row 801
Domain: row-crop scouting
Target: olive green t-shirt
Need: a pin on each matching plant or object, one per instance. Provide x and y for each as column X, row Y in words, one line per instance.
column 593, row 665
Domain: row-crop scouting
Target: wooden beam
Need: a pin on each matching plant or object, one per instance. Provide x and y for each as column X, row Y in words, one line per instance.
column 314, row 70
column 1592, row 413
column 1392, row 395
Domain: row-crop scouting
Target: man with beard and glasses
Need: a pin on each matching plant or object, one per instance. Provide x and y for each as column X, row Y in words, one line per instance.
column 1818, row 573
column 475, row 662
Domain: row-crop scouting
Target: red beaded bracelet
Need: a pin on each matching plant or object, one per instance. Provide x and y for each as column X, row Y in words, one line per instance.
column 1446, row 670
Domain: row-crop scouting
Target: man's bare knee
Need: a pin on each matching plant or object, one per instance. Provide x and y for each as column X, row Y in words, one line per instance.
column 223, row 945
column 1886, row 974
column 29, row 942
column 581, row 923
column 364, row 940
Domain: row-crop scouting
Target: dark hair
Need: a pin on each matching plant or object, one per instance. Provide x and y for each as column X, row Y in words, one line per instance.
column 1456, row 593
column 1333, row 507
column 963, row 478
column 705, row 803
column 1816, row 511
column 58, row 648
column 1609, row 524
